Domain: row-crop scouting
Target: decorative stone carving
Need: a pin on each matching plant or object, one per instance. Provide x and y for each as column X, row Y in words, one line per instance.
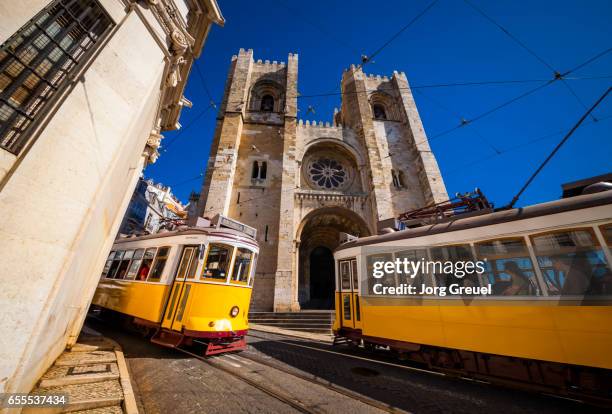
column 151, row 149
column 174, row 74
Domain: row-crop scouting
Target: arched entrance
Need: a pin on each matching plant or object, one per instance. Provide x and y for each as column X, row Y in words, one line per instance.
column 321, row 278
column 319, row 235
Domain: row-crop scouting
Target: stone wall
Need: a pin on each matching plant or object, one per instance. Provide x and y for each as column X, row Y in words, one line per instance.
column 63, row 195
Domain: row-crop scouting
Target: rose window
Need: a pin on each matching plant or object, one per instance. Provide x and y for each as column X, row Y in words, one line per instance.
column 327, row 173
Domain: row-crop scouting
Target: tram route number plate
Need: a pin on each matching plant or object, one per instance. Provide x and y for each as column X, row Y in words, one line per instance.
column 10, row 400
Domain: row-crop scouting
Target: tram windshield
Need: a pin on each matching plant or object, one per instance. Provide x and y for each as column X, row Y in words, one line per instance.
column 217, row 262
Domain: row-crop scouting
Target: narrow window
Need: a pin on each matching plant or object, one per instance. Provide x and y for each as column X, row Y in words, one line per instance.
column 135, row 265
column 145, row 266
column 115, row 265
column 108, row 264
column 379, row 111
column 35, row 62
column 255, row 171
column 148, row 221
column 266, row 234
column 125, row 264
column 242, row 266
column 395, row 178
column 267, row 103
column 238, row 198
column 159, row 264
column 263, row 170
column 401, row 178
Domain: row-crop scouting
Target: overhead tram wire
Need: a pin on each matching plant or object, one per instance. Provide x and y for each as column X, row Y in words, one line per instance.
column 369, row 58
column 186, row 127
column 521, row 145
column 556, row 149
column 556, row 73
column 319, row 27
column 501, row 152
column 203, row 81
column 441, row 85
column 456, row 115
column 198, row 177
column 496, row 108
column 365, row 59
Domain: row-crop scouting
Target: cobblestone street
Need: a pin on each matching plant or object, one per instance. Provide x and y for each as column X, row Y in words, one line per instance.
column 286, row 374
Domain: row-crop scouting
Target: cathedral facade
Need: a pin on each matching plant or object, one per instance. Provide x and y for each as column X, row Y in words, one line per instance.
column 301, row 184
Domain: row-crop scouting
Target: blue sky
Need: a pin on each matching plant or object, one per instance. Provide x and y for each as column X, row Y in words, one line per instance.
column 451, row 43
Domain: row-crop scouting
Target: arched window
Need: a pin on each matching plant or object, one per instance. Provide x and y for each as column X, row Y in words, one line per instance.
column 259, row 171
column 395, row 179
column 379, row 111
column 402, row 179
column 267, row 103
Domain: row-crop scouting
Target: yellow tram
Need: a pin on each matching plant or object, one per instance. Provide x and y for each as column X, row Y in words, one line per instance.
column 552, row 332
column 190, row 284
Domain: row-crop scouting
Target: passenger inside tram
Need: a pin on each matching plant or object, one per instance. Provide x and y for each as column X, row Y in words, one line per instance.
column 576, row 272
column 520, row 285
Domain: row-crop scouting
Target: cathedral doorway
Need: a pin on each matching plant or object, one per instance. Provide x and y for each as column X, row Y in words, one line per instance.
column 319, row 235
column 321, row 278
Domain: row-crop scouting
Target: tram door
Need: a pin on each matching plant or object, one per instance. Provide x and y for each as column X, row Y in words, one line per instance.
column 182, row 287
column 349, row 295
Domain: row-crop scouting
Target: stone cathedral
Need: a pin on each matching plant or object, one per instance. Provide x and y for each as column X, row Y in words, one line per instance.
column 302, row 183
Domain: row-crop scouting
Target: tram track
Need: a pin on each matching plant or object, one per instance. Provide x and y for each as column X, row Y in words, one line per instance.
column 327, row 384
column 344, row 354
column 304, row 377
column 286, row 399
column 414, row 369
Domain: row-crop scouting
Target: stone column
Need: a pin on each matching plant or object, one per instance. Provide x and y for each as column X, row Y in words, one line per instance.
column 286, row 279
column 217, row 189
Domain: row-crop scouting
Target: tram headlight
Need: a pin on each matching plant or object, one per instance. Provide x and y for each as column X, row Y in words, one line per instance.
column 234, row 312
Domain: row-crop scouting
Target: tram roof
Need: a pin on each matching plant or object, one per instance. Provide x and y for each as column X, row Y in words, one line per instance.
column 183, row 231
column 504, row 216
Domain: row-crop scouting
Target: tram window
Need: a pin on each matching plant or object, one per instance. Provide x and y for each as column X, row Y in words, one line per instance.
column 159, row 264
column 217, row 261
column 125, row 263
column 345, row 275
column 508, row 267
column 253, row 267
column 421, row 277
column 108, row 264
column 147, row 261
column 346, row 307
column 193, row 267
column 573, row 263
column 135, row 265
column 355, row 274
column 387, row 279
column 606, row 231
column 183, row 267
column 242, row 265
column 115, row 265
column 455, row 254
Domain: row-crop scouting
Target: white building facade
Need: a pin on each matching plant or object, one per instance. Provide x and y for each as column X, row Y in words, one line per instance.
column 86, row 88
